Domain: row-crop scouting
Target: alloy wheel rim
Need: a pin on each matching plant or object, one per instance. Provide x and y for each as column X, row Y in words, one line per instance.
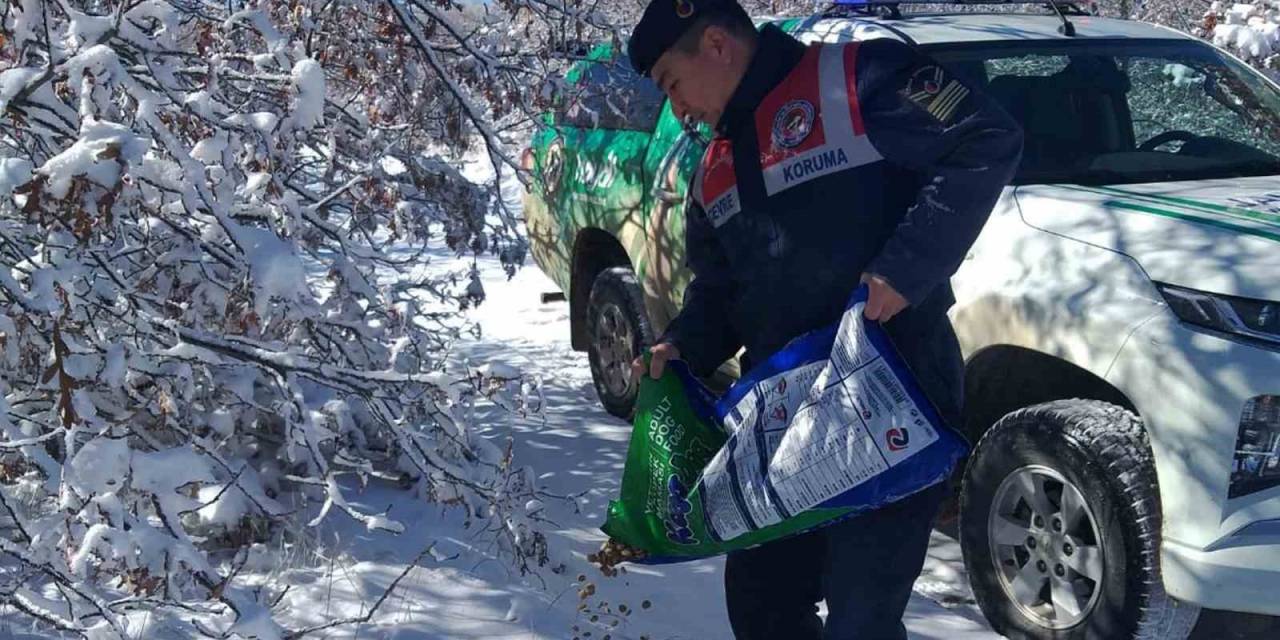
column 1045, row 547
column 615, row 340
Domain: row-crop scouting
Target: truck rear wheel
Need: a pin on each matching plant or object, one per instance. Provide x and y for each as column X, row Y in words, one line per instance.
column 618, row 330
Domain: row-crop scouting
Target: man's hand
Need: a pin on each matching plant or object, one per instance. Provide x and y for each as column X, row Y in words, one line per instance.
column 883, row 302
column 660, row 354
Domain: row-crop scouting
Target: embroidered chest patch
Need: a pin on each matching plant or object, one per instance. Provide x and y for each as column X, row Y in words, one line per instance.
column 792, row 124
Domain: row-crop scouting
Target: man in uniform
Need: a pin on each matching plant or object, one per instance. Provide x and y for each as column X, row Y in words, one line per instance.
column 833, row 165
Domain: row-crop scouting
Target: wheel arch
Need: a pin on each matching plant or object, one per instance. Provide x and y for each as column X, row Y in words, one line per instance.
column 1003, row 378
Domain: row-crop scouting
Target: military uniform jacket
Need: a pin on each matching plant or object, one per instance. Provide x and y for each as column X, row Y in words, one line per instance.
column 830, row 161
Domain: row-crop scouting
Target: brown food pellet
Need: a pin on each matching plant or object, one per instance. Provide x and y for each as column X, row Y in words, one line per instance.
column 613, row 553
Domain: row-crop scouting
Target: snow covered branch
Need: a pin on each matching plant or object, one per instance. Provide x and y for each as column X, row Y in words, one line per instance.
column 215, row 223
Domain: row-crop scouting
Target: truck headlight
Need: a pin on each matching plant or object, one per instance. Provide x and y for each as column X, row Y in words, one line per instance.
column 1257, row 461
column 1257, row 319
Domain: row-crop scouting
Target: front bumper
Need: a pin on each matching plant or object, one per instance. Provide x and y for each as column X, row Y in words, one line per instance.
column 1236, row 578
column 1190, row 388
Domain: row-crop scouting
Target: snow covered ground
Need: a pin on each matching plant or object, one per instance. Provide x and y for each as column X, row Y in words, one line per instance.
column 464, row 590
column 461, row 588
column 457, row 587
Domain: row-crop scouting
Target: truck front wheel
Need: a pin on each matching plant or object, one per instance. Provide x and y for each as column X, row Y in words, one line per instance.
column 1060, row 527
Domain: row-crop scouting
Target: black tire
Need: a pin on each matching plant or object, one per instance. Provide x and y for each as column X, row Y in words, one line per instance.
column 1068, row 452
column 618, row 330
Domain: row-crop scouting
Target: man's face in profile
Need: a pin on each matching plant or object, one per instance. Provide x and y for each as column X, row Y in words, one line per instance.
column 700, row 83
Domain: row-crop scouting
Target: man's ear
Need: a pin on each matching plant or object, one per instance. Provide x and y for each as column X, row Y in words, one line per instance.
column 715, row 42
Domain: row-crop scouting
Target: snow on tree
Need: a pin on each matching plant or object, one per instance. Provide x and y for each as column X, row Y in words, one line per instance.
column 1251, row 31
column 211, row 308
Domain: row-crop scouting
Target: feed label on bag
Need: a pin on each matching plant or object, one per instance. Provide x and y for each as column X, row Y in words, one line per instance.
column 807, row 435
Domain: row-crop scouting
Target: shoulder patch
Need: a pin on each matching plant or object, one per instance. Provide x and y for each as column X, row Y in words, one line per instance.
column 936, row 92
column 717, row 186
column 810, row 125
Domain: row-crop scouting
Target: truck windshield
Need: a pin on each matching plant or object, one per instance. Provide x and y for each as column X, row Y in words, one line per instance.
column 1128, row 111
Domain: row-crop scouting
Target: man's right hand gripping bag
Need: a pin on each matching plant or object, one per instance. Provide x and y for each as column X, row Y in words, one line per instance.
column 829, row 427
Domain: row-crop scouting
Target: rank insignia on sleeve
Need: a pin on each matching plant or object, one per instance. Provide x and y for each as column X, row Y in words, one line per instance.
column 930, row 88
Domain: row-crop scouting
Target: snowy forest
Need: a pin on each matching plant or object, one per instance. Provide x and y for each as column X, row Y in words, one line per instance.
column 239, row 243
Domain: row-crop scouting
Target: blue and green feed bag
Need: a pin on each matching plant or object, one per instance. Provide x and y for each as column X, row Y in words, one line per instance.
column 831, row 426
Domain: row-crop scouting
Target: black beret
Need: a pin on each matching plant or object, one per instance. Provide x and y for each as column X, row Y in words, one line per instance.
column 664, row 21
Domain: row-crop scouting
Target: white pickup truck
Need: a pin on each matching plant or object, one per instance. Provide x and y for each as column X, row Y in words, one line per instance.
column 1120, row 317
